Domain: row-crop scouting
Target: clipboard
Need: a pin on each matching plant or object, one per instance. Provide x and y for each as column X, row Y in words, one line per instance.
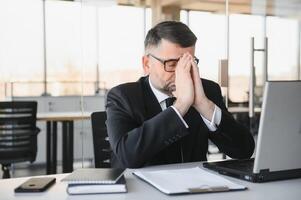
column 187, row 181
column 204, row 189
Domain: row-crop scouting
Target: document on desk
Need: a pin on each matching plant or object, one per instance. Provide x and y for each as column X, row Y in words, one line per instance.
column 188, row 180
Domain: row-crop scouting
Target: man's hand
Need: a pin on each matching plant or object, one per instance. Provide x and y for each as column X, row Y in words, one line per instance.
column 184, row 85
column 201, row 103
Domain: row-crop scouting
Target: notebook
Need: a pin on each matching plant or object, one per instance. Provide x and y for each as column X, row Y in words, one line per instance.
column 188, row 180
column 94, row 176
column 118, row 187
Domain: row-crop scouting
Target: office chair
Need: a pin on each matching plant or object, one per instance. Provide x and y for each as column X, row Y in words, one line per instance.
column 102, row 149
column 18, row 133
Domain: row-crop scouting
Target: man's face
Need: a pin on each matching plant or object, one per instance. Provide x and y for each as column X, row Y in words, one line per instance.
column 161, row 79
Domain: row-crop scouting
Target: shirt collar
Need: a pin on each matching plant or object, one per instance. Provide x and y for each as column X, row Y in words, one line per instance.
column 158, row 94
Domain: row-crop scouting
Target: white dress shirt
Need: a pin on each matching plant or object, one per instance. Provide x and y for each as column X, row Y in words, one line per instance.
column 212, row 125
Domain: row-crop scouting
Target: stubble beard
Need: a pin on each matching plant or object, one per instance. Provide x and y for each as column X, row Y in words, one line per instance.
column 169, row 88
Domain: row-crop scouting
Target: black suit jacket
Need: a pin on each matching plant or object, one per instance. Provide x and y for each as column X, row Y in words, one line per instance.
column 141, row 134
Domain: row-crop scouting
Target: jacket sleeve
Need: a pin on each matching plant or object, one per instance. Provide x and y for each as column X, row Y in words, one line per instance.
column 231, row 138
column 132, row 143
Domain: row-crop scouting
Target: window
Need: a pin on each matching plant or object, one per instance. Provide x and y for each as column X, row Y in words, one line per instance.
column 210, row 48
column 121, row 42
column 21, row 49
column 283, row 48
column 73, row 53
column 242, row 29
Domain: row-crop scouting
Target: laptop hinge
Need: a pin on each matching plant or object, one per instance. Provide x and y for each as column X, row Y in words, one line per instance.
column 264, row 171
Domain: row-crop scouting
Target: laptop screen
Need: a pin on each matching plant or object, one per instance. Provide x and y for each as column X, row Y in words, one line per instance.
column 279, row 137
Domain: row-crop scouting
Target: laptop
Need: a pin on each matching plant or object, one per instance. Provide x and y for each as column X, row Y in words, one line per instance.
column 278, row 149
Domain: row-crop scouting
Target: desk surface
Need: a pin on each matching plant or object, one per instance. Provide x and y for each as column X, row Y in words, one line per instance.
column 138, row 190
column 242, row 110
column 63, row 116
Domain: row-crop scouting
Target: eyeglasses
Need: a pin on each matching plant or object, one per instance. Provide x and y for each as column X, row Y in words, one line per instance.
column 170, row 64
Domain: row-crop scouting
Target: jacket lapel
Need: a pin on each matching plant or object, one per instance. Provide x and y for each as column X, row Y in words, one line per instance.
column 152, row 106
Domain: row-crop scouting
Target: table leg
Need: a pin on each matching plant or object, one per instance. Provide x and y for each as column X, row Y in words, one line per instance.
column 68, row 128
column 51, row 147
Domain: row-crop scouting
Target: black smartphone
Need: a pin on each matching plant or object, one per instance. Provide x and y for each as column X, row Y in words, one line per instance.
column 36, row 185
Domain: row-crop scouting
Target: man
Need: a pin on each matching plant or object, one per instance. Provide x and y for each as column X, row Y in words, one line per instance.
column 144, row 130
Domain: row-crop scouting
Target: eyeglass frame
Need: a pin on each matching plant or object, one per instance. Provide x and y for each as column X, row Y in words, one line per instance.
column 168, row 60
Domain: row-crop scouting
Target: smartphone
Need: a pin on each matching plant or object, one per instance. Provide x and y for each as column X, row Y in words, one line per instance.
column 36, row 185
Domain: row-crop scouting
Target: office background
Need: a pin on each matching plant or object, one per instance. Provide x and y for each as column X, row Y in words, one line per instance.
column 67, row 54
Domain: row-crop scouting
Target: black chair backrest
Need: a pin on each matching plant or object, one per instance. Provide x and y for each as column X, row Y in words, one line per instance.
column 102, row 148
column 18, row 131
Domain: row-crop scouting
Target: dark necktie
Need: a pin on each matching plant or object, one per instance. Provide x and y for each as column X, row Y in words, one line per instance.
column 169, row 101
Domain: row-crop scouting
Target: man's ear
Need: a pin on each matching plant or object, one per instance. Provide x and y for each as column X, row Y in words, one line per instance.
column 145, row 62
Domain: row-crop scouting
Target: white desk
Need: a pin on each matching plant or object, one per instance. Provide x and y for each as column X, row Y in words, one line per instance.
column 139, row 190
column 63, row 116
column 236, row 110
column 67, row 119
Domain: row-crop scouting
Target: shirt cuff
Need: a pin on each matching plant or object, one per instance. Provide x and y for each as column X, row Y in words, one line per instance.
column 182, row 119
column 216, row 119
